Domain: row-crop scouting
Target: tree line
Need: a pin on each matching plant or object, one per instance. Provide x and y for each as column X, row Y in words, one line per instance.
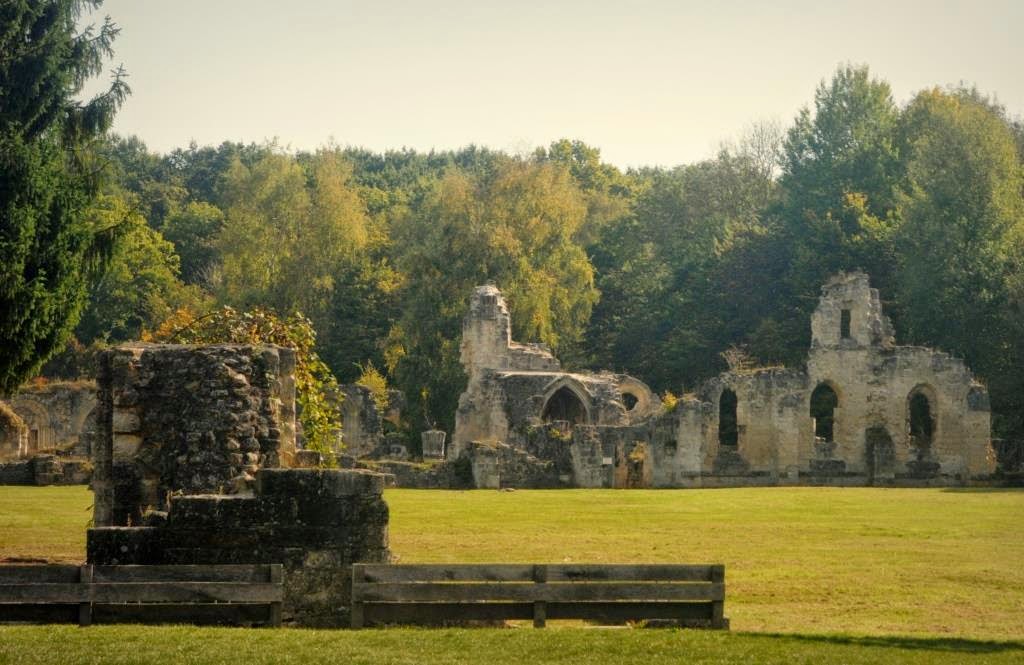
column 659, row 272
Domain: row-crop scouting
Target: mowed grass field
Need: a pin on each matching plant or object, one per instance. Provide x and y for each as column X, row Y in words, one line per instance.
column 849, row 575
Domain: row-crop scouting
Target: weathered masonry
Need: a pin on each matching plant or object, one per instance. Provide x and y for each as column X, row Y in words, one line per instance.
column 58, row 417
column 863, row 411
column 190, row 462
column 513, row 386
column 184, row 419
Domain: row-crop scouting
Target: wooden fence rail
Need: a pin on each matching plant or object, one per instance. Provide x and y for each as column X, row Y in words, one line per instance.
column 142, row 594
column 439, row 594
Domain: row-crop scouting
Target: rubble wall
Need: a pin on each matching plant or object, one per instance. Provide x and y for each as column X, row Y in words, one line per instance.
column 187, row 419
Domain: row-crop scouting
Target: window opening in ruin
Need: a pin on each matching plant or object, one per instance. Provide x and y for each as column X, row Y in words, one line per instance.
column 844, row 324
column 565, row 405
column 728, row 430
column 33, row 440
column 824, row 402
column 922, row 426
column 630, row 401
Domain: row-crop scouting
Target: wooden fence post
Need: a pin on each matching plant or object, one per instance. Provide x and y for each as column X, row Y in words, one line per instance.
column 718, row 606
column 85, row 609
column 357, row 604
column 540, row 607
column 276, row 577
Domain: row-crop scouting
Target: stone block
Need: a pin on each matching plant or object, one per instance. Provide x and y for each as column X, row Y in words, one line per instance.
column 126, row 446
column 432, row 442
column 352, row 482
column 125, row 421
column 122, row 546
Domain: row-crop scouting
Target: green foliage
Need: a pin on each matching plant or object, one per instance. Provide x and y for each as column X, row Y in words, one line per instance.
column 50, row 248
column 962, row 239
column 513, row 225
column 321, row 422
column 371, row 378
column 654, row 271
column 140, row 287
column 193, row 230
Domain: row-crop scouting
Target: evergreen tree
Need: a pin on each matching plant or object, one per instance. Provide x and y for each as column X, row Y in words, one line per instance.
column 50, row 245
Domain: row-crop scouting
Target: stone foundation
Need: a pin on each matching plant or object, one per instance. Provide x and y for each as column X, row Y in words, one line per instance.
column 316, row 522
column 46, row 470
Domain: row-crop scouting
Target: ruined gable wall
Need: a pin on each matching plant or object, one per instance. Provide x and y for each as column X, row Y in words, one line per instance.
column 875, row 387
column 195, row 419
column 362, row 425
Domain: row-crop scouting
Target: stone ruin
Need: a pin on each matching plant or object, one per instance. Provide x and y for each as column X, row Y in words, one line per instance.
column 863, row 411
column 13, row 433
column 46, row 434
column 191, row 467
column 365, row 426
column 513, row 386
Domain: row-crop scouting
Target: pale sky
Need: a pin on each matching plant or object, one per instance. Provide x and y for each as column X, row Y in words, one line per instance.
column 649, row 83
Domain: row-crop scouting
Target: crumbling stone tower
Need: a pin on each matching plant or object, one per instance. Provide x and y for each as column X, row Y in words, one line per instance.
column 188, row 419
column 849, row 315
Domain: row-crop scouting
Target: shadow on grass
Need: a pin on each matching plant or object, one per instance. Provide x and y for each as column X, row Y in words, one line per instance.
column 947, row 644
column 984, row 490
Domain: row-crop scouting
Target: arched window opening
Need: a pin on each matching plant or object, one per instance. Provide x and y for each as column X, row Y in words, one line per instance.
column 630, row 401
column 922, row 424
column 844, row 324
column 728, row 430
column 824, row 402
column 565, row 405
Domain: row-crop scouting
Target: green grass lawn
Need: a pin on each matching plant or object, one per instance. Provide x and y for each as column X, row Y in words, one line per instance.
column 494, row 646
column 929, row 575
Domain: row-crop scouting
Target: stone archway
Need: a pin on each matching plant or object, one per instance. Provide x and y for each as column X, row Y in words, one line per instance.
column 40, row 432
column 565, row 405
column 922, row 427
column 823, row 405
column 13, row 433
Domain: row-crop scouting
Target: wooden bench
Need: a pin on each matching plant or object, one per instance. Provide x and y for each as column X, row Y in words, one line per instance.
column 234, row 594
column 439, row 594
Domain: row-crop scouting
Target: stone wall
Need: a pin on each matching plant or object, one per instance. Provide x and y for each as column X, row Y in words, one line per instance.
column 56, row 415
column 364, row 425
column 46, row 470
column 499, row 465
column 13, row 433
column 513, row 387
column 188, row 419
column 316, row 522
column 893, row 414
column 873, row 381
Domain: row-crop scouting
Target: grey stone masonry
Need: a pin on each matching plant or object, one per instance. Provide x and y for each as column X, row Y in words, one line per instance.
column 187, row 420
column 317, row 522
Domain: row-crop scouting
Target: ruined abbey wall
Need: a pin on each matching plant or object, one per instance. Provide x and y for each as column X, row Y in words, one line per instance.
column 862, row 411
column 58, row 416
column 514, row 387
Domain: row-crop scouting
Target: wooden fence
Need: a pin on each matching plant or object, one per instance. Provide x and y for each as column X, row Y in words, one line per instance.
column 440, row 594
column 234, row 594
